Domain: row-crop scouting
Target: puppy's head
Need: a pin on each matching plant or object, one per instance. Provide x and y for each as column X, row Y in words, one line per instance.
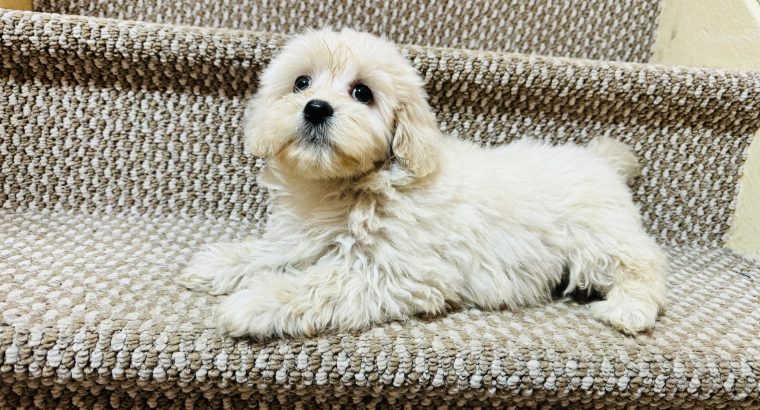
column 334, row 104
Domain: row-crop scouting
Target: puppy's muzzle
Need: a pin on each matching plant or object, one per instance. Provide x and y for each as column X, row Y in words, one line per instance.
column 317, row 111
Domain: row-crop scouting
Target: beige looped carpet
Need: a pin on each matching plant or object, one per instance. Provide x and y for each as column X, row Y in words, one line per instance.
column 121, row 153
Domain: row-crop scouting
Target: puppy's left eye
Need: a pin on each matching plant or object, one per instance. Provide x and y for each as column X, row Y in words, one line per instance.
column 361, row 93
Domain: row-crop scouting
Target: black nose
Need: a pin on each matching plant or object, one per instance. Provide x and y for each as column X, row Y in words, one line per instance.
column 317, row 111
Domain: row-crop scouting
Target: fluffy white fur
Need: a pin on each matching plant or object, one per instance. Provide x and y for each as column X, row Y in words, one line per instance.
column 389, row 218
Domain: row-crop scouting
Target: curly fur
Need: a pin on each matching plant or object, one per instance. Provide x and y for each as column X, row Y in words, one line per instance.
column 391, row 218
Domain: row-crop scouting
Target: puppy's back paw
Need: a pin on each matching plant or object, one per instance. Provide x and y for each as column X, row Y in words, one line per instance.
column 627, row 315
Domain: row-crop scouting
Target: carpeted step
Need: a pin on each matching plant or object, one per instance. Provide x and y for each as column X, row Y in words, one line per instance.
column 120, row 153
column 622, row 30
column 89, row 303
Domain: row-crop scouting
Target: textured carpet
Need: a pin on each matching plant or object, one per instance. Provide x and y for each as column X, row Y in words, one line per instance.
column 120, row 153
column 600, row 29
column 89, row 301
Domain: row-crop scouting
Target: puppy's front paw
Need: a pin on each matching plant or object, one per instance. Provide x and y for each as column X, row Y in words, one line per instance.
column 194, row 279
column 254, row 312
column 628, row 315
column 216, row 269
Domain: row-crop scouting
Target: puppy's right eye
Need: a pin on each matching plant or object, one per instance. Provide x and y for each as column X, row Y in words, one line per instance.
column 303, row 82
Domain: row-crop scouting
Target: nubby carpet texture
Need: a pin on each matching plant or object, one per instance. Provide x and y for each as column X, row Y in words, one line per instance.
column 121, row 153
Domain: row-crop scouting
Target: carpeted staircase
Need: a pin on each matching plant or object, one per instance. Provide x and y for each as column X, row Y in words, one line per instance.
column 121, row 153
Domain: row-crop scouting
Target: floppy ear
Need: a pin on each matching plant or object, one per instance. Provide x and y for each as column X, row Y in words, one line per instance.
column 416, row 138
column 256, row 140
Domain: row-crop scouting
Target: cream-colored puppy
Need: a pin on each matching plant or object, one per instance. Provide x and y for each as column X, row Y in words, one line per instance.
column 377, row 216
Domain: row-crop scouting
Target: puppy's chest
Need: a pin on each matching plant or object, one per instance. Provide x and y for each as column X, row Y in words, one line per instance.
column 369, row 224
column 366, row 220
column 381, row 223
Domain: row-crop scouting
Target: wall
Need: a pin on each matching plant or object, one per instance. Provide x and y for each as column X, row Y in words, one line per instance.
column 16, row 4
column 723, row 34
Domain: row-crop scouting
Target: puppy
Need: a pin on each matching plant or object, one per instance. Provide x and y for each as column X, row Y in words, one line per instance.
column 377, row 216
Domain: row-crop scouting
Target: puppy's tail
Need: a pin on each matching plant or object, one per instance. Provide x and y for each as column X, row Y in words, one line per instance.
column 618, row 155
